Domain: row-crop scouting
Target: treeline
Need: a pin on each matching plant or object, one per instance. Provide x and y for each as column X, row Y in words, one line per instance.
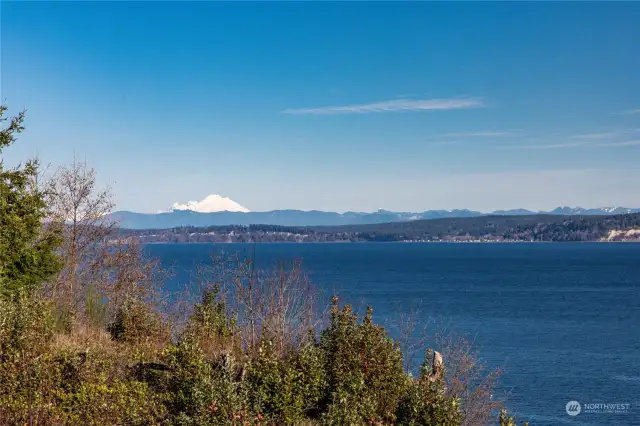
column 517, row 228
column 236, row 234
column 576, row 228
column 87, row 336
column 485, row 228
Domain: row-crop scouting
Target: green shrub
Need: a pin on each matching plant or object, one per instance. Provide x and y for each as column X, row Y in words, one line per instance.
column 24, row 390
column 426, row 403
column 364, row 369
column 118, row 402
column 26, row 325
column 26, row 329
column 310, row 361
column 211, row 327
column 136, row 323
column 286, row 389
column 202, row 392
column 95, row 310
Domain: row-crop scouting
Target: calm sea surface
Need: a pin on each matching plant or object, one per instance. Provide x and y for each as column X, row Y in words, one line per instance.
column 561, row 320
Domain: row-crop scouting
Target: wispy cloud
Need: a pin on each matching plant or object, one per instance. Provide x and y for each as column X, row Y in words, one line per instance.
column 591, row 136
column 630, row 112
column 397, row 105
column 481, row 134
column 549, row 146
column 578, row 144
column 623, row 143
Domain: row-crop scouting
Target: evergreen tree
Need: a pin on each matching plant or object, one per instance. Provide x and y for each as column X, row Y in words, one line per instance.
column 27, row 254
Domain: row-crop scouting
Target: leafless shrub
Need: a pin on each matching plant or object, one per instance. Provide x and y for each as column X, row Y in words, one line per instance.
column 101, row 273
column 280, row 304
column 125, row 274
column 79, row 208
column 469, row 378
column 412, row 334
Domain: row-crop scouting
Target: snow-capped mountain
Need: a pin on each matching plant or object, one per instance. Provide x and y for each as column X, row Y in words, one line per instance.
column 210, row 204
column 597, row 211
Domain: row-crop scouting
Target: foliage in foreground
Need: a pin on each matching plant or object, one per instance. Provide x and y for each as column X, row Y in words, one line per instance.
column 351, row 375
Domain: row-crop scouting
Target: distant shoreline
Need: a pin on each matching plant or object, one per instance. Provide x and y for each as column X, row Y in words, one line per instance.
column 486, row 229
column 385, row 242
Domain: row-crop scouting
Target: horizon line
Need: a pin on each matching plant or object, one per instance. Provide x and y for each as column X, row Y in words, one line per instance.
column 382, row 210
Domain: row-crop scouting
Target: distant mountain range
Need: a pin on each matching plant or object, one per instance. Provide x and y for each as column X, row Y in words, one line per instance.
column 178, row 218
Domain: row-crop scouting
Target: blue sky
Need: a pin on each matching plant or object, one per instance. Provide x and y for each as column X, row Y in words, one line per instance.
column 333, row 106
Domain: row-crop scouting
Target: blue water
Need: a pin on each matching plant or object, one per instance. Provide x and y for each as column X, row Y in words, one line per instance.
column 561, row 320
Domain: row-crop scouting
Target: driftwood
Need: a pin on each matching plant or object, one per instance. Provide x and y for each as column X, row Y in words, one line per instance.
column 437, row 368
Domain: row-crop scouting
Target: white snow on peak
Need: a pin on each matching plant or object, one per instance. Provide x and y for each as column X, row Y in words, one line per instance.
column 210, row 204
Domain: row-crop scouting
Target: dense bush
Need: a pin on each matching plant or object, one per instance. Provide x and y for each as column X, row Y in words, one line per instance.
column 26, row 329
column 364, row 369
column 426, row 402
column 136, row 322
column 131, row 371
column 136, row 374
